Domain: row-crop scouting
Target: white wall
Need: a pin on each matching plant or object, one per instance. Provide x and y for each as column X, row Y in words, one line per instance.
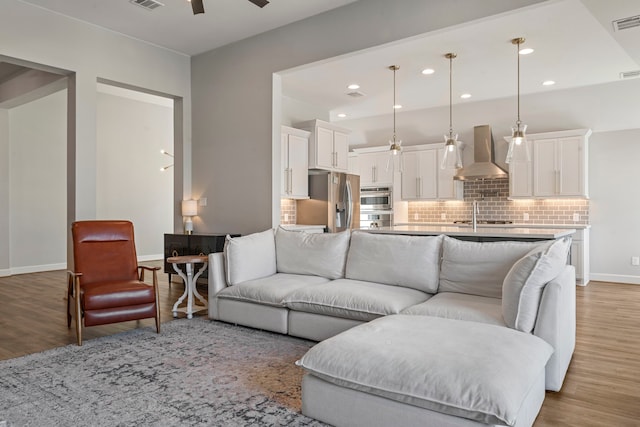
column 233, row 122
column 129, row 182
column 296, row 111
column 37, row 183
column 4, row 192
column 52, row 42
column 614, row 177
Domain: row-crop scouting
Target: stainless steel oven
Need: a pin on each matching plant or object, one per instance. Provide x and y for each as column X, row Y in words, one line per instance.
column 376, row 207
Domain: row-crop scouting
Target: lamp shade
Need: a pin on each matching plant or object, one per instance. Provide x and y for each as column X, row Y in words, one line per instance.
column 189, row 207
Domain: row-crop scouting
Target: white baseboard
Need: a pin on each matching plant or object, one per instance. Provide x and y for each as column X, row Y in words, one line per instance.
column 151, row 257
column 5, row 272
column 616, row 278
column 37, row 268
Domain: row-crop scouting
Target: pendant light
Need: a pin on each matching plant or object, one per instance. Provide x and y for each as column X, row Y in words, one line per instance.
column 518, row 150
column 452, row 158
column 395, row 145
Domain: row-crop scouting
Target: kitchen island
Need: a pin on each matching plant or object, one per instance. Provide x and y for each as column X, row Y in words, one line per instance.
column 481, row 234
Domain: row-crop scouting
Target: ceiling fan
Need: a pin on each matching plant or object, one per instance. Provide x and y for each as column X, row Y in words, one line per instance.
column 198, row 6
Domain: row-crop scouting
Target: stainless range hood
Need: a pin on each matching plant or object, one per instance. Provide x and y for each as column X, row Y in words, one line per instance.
column 483, row 166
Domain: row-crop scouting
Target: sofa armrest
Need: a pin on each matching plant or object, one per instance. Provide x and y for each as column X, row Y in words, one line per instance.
column 217, row 281
column 556, row 324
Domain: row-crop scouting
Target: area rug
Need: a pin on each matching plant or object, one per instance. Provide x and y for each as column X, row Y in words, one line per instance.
column 195, row 373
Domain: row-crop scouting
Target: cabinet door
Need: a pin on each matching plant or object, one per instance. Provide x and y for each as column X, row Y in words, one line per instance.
column 298, row 167
column 341, row 151
column 576, row 258
column 367, row 164
column 384, row 170
column 571, row 167
column 410, row 176
column 545, row 170
column 284, row 165
column 324, row 148
column 428, row 160
column 174, row 245
column 448, row 188
column 354, row 164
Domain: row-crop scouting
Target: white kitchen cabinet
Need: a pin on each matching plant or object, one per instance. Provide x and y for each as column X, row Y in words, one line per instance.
column 423, row 179
column 579, row 255
column 294, row 163
column 558, row 166
column 328, row 145
column 353, row 163
column 373, row 169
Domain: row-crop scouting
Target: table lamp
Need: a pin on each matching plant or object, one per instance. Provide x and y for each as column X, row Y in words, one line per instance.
column 189, row 209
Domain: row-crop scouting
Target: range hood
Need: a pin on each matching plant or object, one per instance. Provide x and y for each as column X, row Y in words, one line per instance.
column 483, row 166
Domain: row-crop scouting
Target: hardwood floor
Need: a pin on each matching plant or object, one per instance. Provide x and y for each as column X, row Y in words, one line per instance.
column 602, row 387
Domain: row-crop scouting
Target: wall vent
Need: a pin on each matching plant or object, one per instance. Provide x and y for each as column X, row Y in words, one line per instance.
column 630, row 74
column 355, row 94
column 626, row 23
column 147, row 4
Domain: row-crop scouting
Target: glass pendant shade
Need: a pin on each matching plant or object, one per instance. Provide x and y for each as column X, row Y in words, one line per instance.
column 518, row 147
column 452, row 158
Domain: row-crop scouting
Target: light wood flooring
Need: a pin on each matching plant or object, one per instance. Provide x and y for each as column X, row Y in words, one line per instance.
column 602, row 387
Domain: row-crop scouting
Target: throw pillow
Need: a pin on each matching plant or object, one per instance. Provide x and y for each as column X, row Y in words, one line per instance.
column 250, row 257
column 522, row 287
column 318, row 254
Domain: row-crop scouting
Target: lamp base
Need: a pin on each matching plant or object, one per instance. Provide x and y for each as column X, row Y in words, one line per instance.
column 188, row 226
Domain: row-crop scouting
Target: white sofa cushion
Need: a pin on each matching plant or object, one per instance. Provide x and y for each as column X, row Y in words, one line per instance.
column 478, row 268
column 523, row 286
column 270, row 290
column 462, row 307
column 353, row 299
column 318, row 254
column 413, row 359
column 250, row 257
column 408, row 261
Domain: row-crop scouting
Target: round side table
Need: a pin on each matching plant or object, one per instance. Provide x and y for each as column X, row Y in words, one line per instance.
column 190, row 280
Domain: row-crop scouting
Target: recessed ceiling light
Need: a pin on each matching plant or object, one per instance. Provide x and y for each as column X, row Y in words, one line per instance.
column 353, row 86
column 342, row 115
column 428, row 71
column 465, row 96
column 525, row 51
column 548, row 83
column 397, row 106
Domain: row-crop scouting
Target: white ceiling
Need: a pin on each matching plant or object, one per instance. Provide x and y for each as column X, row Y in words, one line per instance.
column 574, row 41
column 175, row 27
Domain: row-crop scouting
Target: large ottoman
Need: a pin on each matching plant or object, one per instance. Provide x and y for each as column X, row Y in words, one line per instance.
column 405, row 370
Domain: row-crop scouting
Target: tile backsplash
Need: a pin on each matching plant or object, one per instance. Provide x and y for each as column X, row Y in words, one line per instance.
column 494, row 205
column 287, row 211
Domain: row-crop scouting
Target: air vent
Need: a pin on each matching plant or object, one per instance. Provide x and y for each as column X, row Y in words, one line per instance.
column 630, row 74
column 626, row 23
column 147, row 4
column 355, row 94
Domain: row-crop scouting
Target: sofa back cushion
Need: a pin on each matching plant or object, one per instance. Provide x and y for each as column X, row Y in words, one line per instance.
column 478, row 268
column 250, row 257
column 409, row 261
column 317, row 254
column 525, row 281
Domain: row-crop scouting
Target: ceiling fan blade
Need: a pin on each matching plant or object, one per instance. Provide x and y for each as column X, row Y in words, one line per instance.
column 260, row 3
column 197, row 6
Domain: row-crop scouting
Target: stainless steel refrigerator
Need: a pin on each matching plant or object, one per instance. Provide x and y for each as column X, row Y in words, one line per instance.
column 334, row 200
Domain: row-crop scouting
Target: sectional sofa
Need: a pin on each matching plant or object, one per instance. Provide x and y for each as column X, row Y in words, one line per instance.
column 414, row 330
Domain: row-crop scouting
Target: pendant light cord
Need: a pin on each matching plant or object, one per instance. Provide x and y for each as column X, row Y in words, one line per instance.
column 451, row 56
column 518, row 53
column 394, row 103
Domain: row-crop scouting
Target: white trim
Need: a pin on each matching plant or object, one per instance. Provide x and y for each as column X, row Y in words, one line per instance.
column 616, row 278
column 158, row 257
column 37, row 268
column 5, row 272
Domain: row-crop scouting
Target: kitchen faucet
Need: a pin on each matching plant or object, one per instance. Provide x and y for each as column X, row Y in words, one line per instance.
column 474, row 215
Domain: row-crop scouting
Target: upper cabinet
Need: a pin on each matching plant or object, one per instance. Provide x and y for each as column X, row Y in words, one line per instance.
column 294, row 183
column 558, row 166
column 328, row 145
column 423, row 179
column 374, row 169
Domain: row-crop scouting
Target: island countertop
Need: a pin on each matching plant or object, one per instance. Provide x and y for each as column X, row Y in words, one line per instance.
column 480, row 234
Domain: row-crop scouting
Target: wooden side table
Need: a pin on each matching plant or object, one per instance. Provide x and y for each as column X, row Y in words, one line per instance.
column 190, row 280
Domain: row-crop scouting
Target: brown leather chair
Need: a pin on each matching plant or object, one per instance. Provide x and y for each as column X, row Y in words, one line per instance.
column 107, row 284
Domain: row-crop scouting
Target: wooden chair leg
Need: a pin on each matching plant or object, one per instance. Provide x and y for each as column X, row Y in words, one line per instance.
column 78, row 313
column 69, row 296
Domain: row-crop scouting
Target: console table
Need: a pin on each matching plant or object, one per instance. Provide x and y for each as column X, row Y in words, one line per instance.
column 191, row 244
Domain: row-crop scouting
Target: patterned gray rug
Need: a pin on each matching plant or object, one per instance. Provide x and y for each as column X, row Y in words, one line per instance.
column 195, row 373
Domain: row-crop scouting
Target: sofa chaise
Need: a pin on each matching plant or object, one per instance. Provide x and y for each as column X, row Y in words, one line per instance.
column 414, row 330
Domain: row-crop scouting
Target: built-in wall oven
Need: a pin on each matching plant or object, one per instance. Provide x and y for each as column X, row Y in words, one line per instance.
column 376, row 207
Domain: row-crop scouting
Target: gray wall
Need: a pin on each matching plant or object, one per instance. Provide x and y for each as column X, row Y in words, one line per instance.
column 234, row 123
